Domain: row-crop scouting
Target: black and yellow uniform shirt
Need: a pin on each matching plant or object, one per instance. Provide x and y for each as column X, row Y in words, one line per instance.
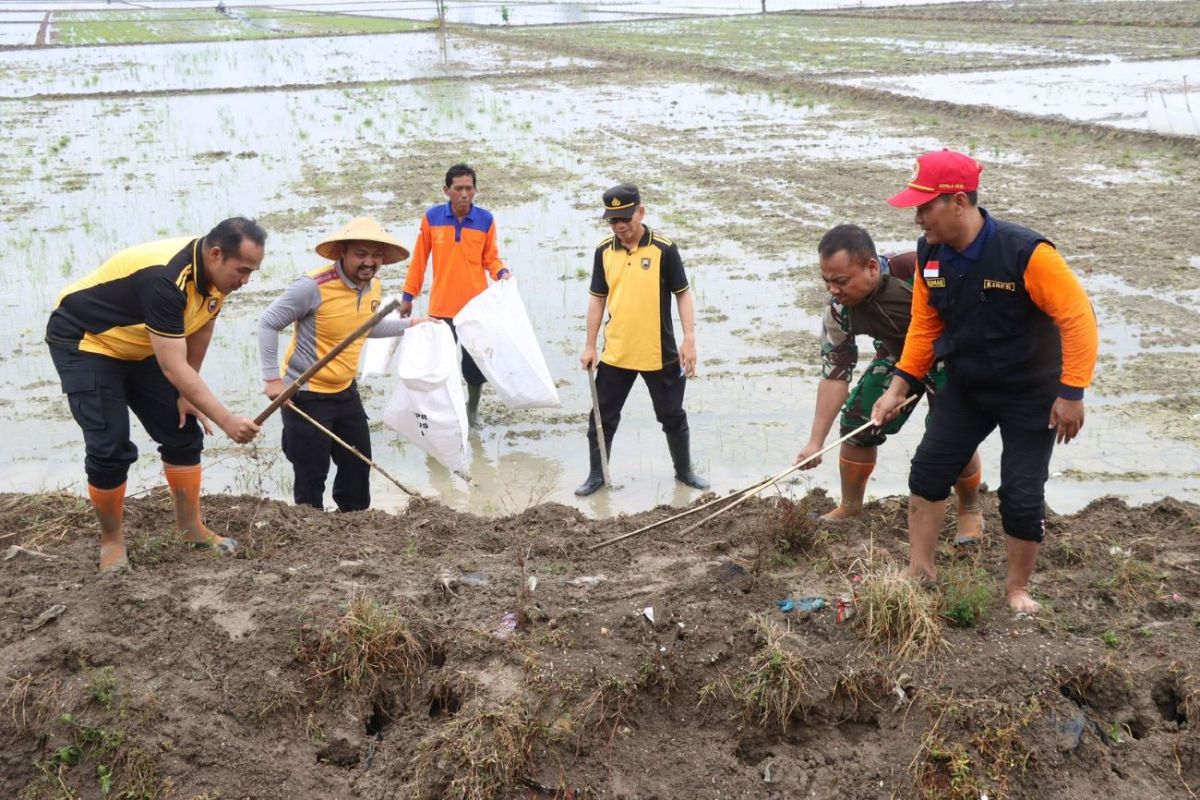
column 638, row 285
column 325, row 307
column 158, row 287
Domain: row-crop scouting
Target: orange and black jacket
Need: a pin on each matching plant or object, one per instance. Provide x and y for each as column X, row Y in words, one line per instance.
column 1018, row 317
column 464, row 255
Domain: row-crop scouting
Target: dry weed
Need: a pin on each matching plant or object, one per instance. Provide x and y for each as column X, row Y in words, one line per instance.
column 864, row 687
column 777, row 682
column 897, row 613
column 362, row 647
column 973, row 748
column 481, row 754
column 791, row 528
column 17, row 702
column 36, row 519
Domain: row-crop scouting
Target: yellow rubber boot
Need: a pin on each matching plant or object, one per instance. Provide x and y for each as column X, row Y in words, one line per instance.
column 970, row 513
column 185, row 491
column 855, row 475
column 110, row 511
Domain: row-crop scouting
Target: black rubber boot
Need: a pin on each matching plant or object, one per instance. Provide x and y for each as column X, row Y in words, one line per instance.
column 681, row 454
column 595, row 478
column 473, row 393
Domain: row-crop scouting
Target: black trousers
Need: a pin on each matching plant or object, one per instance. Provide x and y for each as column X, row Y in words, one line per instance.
column 961, row 419
column 470, row 370
column 310, row 450
column 102, row 391
column 666, row 393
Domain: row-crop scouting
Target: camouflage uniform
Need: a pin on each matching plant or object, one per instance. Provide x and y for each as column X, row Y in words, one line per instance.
column 884, row 316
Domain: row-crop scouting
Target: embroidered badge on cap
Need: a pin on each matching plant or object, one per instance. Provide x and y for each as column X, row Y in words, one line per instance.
column 615, row 202
column 932, row 269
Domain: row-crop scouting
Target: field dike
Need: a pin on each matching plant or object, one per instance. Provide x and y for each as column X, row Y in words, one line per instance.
column 438, row 654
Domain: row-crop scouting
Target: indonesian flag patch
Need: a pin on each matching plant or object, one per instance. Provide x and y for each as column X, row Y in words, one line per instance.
column 931, row 269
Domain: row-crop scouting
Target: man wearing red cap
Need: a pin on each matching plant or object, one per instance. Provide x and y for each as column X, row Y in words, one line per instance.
column 997, row 302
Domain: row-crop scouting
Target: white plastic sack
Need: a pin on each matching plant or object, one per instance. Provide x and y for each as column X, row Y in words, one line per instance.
column 427, row 403
column 377, row 353
column 495, row 330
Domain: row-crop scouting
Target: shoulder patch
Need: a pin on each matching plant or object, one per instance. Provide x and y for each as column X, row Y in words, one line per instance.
column 324, row 274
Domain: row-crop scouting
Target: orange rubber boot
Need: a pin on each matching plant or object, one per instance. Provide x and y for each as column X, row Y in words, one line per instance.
column 855, row 475
column 970, row 514
column 110, row 510
column 185, row 491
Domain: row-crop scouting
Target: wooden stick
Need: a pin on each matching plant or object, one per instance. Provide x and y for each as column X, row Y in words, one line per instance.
column 294, row 387
column 741, row 494
column 674, row 517
column 599, row 428
column 754, row 491
column 351, row 448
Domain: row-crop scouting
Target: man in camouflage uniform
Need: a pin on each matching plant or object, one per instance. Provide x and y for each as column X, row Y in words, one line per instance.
column 871, row 295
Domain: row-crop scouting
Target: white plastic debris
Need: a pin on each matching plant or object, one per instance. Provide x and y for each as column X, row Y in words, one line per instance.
column 648, row 613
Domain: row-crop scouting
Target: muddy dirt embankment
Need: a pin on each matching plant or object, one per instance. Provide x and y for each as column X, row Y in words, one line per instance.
column 437, row 654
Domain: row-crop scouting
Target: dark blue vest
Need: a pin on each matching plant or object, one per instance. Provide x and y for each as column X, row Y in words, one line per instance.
column 995, row 336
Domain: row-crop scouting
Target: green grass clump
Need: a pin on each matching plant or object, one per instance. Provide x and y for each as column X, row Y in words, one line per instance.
column 967, row 591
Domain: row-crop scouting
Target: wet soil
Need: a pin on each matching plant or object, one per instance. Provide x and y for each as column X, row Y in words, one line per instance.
column 189, row 674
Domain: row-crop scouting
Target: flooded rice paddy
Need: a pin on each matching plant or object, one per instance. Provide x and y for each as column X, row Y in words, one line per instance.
column 133, row 143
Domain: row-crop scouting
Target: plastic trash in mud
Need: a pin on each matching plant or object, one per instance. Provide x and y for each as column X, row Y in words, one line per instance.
column 845, row 609
column 648, row 613
column 786, row 606
column 508, row 624
column 588, row 581
column 810, row 604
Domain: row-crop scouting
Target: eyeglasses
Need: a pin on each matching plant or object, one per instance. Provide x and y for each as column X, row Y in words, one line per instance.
column 615, row 220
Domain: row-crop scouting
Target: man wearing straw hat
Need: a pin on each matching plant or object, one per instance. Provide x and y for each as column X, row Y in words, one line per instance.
column 132, row 336
column 325, row 305
column 635, row 272
column 999, row 304
column 872, row 295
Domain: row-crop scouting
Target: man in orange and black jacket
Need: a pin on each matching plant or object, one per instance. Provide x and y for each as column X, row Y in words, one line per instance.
column 997, row 302
column 461, row 238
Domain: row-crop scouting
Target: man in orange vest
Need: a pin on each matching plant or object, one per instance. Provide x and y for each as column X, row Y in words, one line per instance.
column 325, row 305
column 998, row 304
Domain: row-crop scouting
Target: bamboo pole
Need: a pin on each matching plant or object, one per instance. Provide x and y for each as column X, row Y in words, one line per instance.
column 599, row 428
column 287, row 394
column 743, row 494
column 352, row 449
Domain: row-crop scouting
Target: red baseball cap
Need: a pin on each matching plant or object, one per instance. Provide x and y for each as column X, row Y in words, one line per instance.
column 937, row 173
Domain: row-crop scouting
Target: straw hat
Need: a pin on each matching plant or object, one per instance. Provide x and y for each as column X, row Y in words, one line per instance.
column 362, row 229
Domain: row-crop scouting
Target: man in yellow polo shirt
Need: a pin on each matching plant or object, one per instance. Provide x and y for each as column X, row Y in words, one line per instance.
column 325, row 305
column 132, row 336
column 634, row 274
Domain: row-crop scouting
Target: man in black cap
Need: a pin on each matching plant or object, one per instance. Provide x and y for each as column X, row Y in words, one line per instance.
column 634, row 274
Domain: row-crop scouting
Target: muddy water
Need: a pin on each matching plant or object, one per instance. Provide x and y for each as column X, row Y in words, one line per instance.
column 244, row 64
column 1148, row 95
column 165, row 166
